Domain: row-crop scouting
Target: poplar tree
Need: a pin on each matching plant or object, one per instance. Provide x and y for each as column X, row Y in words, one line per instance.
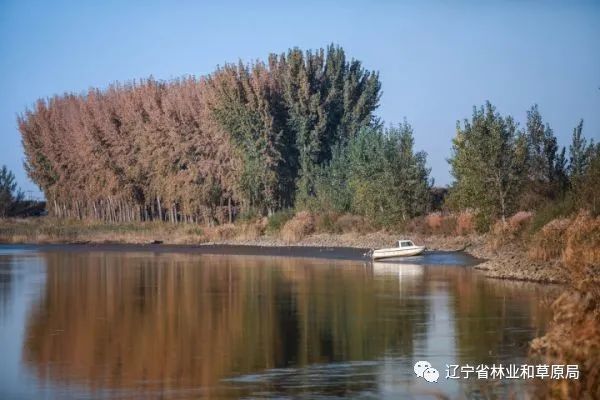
column 546, row 169
column 488, row 163
column 579, row 152
column 328, row 100
column 378, row 175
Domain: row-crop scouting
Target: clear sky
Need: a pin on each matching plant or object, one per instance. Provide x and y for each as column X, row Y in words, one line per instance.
column 436, row 59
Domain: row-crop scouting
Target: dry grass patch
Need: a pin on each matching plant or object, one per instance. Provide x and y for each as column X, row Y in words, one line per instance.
column 302, row 225
column 465, row 223
column 574, row 335
column 573, row 338
column 582, row 251
column 348, row 223
column 549, row 242
column 221, row 233
column 252, row 230
column 511, row 231
column 433, row 222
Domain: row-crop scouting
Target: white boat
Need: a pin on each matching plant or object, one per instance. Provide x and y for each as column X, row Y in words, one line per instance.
column 406, row 248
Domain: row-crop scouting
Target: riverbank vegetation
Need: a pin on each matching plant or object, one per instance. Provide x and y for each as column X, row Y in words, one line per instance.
column 574, row 334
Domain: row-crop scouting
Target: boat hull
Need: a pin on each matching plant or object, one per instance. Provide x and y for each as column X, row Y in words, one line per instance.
column 397, row 252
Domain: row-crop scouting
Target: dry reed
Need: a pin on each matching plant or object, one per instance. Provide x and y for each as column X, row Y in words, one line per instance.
column 574, row 335
column 298, row 227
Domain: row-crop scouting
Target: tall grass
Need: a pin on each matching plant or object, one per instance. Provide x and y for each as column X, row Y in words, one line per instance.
column 549, row 242
column 278, row 220
column 298, row 227
column 510, row 232
column 561, row 208
column 574, row 335
column 438, row 223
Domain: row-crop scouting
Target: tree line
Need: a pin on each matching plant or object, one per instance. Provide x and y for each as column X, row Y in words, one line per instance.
column 297, row 131
column 500, row 168
column 248, row 138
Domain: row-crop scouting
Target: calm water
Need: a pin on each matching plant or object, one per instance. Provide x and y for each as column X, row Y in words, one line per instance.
column 131, row 324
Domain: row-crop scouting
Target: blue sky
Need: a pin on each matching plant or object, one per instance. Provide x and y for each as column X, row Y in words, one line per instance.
column 436, row 59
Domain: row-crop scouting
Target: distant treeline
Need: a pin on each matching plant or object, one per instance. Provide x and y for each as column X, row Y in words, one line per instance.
column 248, row 138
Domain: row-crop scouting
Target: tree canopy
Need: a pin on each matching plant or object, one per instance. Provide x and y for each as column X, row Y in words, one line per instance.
column 488, row 162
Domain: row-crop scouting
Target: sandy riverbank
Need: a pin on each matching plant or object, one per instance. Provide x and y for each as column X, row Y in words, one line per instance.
column 513, row 263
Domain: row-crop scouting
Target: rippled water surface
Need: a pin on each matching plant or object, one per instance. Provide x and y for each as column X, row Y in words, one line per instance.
column 114, row 323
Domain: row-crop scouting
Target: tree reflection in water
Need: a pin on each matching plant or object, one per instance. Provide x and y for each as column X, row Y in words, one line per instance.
column 231, row 325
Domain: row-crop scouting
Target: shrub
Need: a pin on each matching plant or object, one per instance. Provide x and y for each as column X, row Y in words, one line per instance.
column 519, row 221
column 325, row 222
column 582, row 252
column 221, row 232
column 465, row 223
column 276, row 221
column 194, row 230
column 511, row 231
column 298, row 227
column 574, row 334
column 251, row 230
column 418, row 225
column 448, row 226
column 351, row 223
column 483, row 222
column 433, row 222
column 247, row 215
column 548, row 243
column 555, row 210
column 572, row 338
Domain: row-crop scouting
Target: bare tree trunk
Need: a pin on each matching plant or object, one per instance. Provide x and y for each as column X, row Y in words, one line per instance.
column 159, row 208
column 229, row 210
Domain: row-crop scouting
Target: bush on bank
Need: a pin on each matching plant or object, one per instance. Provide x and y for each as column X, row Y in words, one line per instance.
column 574, row 334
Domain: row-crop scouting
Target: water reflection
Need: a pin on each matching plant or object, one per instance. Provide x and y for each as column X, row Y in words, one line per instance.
column 127, row 325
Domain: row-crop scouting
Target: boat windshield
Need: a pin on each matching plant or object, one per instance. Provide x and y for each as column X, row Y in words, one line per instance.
column 405, row 243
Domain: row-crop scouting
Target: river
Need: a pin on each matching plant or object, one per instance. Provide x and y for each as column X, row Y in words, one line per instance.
column 159, row 322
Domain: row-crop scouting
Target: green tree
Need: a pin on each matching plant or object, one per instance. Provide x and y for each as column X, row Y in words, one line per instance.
column 246, row 105
column 332, row 190
column 587, row 185
column 9, row 195
column 376, row 174
column 488, row 163
column 369, row 180
column 546, row 169
column 328, row 99
column 579, row 152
